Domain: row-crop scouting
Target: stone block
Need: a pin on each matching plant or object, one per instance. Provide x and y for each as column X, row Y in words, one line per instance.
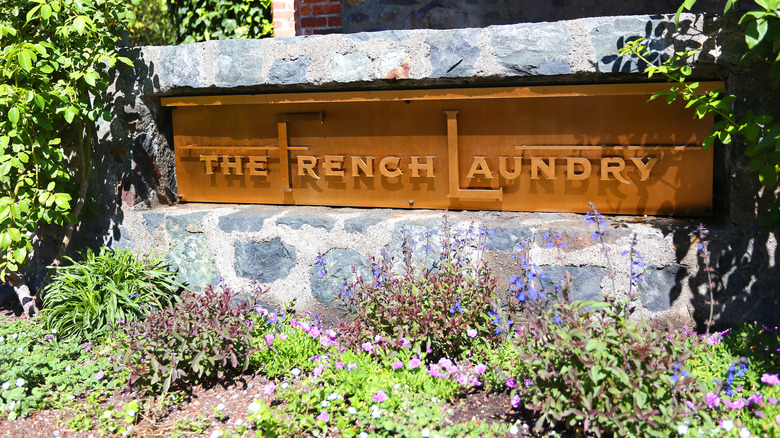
column 265, row 261
column 153, row 220
column 297, row 219
column 540, row 49
column 586, row 280
column 361, row 223
column 659, row 286
column 341, row 266
column 189, row 250
column 453, row 53
column 293, row 71
column 246, row 220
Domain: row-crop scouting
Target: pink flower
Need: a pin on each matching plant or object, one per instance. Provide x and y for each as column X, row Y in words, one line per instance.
column 435, row 371
column 318, row 370
column 511, row 383
column 397, row 364
column 379, row 397
column 340, row 365
column 87, row 347
column 479, row 369
column 474, row 381
column 462, row 379
column 736, row 404
column 269, row 339
column 315, row 332
column 472, row 333
column 515, row 401
column 448, row 365
column 404, row 342
column 367, row 346
column 755, row 399
column 269, row 388
column 378, row 338
column 331, row 333
column 712, row 399
column 326, row 341
column 324, row 416
column 414, row 363
column 352, row 366
column 100, row 375
column 281, row 336
column 770, row 379
column 777, row 419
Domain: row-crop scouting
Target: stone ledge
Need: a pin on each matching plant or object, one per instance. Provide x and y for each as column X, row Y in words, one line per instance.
column 408, row 57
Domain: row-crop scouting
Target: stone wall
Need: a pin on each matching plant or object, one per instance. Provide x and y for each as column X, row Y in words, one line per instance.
column 276, row 246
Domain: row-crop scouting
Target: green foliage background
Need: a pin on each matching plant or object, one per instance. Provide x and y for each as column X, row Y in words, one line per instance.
column 203, row 20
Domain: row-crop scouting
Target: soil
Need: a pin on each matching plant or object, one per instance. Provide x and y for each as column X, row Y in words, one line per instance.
column 195, row 413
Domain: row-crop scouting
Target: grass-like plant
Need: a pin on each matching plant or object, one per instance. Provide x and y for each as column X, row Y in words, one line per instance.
column 89, row 297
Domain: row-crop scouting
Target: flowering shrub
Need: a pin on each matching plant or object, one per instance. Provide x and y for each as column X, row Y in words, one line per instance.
column 87, row 298
column 440, row 301
column 203, row 337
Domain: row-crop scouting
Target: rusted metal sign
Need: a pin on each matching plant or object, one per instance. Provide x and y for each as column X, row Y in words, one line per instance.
column 550, row 148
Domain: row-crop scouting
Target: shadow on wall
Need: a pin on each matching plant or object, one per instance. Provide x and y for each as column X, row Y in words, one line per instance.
column 743, row 256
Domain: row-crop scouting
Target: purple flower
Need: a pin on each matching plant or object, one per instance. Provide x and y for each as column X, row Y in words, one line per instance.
column 281, row 336
column 770, row 379
column 448, row 365
column 755, row 399
column 474, row 381
column 87, row 347
column 318, row 370
column 397, row 364
column 511, row 383
column 772, row 401
column 414, row 363
column 378, row 338
column 777, row 419
column 269, row 339
column 269, row 388
column 315, row 332
column 326, row 341
column 481, row 368
column 527, row 382
column 404, row 342
column 100, row 375
column 340, row 365
column 352, row 366
column 331, row 333
column 515, row 401
column 712, row 399
column 380, row 396
column 462, row 379
column 324, row 416
column 367, row 346
column 472, row 333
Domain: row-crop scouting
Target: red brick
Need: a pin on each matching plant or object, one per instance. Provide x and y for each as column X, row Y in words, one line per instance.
column 304, row 11
column 308, row 2
column 311, row 22
column 327, row 9
column 334, row 21
column 325, row 30
column 283, row 15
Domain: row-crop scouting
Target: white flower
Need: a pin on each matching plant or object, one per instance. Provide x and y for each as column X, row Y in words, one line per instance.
column 6, row 385
column 11, row 406
column 352, row 410
column 374, row 407
column 436, row 435
column 363, row 435
column 397, row 386
column 20, row 382
column 727, row 425
column 67, row 368
column 255, row 406
column 376, row 414
column 426, row 432
column 54, row 331
column 434, row 399
column 682, row 429
column 295, row 372
column 334, row 396
column 239, row 422
column 325, row 403
column 284, row 385
column 744, row 433
column 14, row 336
column 220, row 407
column 514, row 430
column 216, row 434
column 2, row 338
column 131, row 413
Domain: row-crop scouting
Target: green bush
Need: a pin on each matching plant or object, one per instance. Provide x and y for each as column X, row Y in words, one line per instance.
column 89, row 297
column 151, row 26
column 54, row 55
column 204, row 20
column 202, row 337
column 441, row 301
column 38, row 372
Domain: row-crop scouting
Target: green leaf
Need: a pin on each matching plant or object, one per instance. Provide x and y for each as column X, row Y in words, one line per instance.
column 45, row 11
column 751, row 131
column 768, row 176
column 79, row 24
column 13, row 116
column 124, row 60
column 686, row 70
column 69, row 114
column 39, row 101
column 755, row 32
